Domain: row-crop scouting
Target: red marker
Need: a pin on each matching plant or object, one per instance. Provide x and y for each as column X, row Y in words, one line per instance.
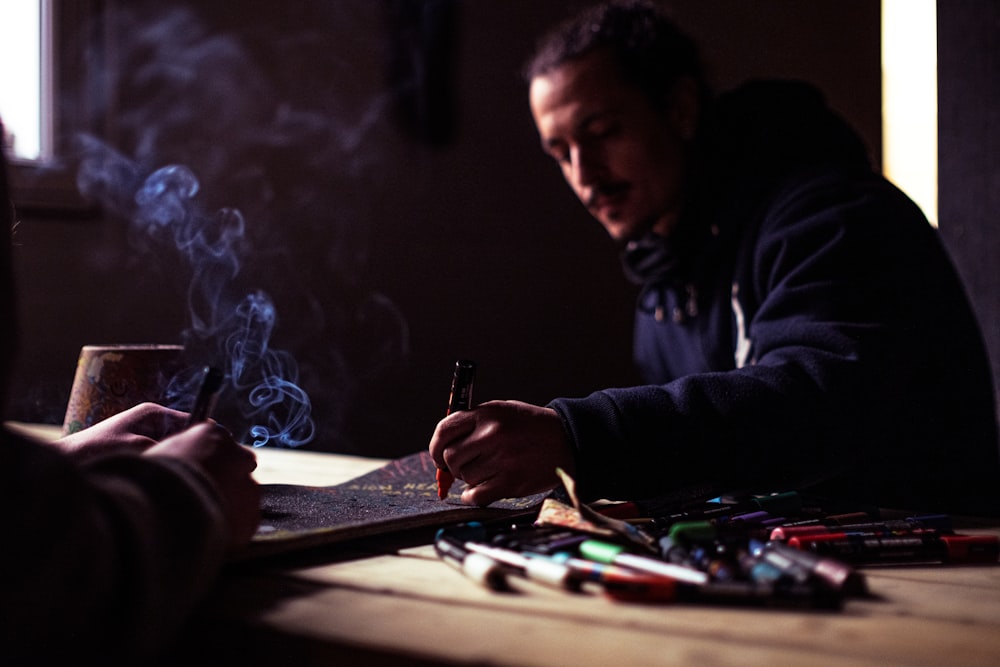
column 444, row 481
column 460, row 399
column 928, row 523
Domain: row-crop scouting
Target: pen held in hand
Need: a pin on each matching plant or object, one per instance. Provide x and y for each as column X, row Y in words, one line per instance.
column 460, row 399
column 208, row 393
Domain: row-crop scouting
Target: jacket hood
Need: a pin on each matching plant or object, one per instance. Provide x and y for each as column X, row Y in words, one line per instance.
column 750, row 141
column 765, row 130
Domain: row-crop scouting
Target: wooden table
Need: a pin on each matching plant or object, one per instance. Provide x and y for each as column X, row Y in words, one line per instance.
column 392, row 601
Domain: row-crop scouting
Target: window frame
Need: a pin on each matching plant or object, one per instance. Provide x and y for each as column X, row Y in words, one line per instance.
column 79, row 102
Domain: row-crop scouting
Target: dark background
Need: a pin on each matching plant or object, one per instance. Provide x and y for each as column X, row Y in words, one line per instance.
column 398, row 209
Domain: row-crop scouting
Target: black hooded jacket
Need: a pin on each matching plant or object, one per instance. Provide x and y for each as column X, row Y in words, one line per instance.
column 803, row 327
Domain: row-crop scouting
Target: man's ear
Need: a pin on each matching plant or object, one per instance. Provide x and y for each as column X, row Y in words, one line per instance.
column 684, row 107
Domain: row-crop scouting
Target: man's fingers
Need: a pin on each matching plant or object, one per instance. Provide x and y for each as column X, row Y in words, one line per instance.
column 481, row 495
column 448, row 433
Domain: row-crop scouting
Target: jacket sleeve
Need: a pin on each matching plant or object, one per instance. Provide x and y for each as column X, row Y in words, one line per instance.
column 866, row 364
column 103, row 561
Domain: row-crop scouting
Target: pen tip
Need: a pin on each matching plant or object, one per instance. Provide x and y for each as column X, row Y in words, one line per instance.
column 213, row 378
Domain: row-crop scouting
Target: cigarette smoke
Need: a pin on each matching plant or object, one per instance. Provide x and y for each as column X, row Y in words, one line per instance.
column 235, row 330
column 195, row 100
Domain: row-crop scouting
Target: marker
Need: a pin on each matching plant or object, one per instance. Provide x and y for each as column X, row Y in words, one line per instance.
column 542, row 570
column 459, row 399
column 832, row 520
column 757, row 593
column 533, row 538
column 908, row 548
column 482, row 569
column 672, row 551
column 833, row 574
column 756, row 516
column 775, row 569
column 208, row 394
column 778, row 504
column 850, row 517
column 717, row 558
column 565, row 572
column 555, row 544
column 616, row 582
column 719, row 561
column 930, row 522
column 603, row 552
column 639, row 588
column 705, row 531
column 688, row 532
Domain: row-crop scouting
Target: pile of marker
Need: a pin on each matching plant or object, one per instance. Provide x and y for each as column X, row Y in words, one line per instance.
column 768, row 550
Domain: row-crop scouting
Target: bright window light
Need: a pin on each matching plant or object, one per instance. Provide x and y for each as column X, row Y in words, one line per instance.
column 909, row 100
column 23, row 96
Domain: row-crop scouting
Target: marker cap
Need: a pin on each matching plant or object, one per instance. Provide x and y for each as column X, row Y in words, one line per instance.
column 602, row 552
column 548, row 571
column 693, row 531
column 639, row 588
column 483, row 570
column 972, row 548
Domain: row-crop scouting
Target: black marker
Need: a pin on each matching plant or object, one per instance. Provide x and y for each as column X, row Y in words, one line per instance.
column 208, row 393
column 460, row 399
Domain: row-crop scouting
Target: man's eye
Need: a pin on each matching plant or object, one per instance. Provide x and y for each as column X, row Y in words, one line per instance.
column 602, row 130
column 560, row 155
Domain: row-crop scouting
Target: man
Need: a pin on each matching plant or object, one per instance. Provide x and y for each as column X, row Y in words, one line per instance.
column 799, row 325
column 112, row 534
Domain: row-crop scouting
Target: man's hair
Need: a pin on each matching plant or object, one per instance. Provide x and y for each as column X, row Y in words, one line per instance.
column 651, row 51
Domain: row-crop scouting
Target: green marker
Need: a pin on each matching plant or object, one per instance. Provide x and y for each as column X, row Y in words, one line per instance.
column 602, row 552
column 693, row 531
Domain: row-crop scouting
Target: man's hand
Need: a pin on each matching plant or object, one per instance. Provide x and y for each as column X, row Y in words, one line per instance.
column 229, row 465
column 133, row 430
column 502, row 449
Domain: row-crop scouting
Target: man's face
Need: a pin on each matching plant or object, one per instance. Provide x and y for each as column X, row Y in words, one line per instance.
column 623, row 158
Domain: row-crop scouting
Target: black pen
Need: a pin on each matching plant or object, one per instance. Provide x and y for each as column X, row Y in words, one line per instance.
column 208, row 393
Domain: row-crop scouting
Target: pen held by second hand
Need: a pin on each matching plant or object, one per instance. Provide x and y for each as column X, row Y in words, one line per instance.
column 208, row 393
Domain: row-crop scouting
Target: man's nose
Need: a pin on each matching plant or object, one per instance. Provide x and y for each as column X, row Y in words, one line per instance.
column 585, row 168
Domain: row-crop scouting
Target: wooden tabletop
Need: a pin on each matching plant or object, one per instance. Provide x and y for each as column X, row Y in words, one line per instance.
column 390, row 600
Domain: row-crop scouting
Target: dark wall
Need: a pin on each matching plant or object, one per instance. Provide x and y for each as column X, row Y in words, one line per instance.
column 969, row 153
column 397, row 207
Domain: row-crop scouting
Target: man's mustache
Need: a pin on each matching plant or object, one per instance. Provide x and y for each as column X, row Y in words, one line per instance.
column 604, row 190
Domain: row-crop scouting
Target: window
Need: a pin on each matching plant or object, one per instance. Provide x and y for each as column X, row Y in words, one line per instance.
column 25, row 69
column 909, row 99
column 50, row 51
